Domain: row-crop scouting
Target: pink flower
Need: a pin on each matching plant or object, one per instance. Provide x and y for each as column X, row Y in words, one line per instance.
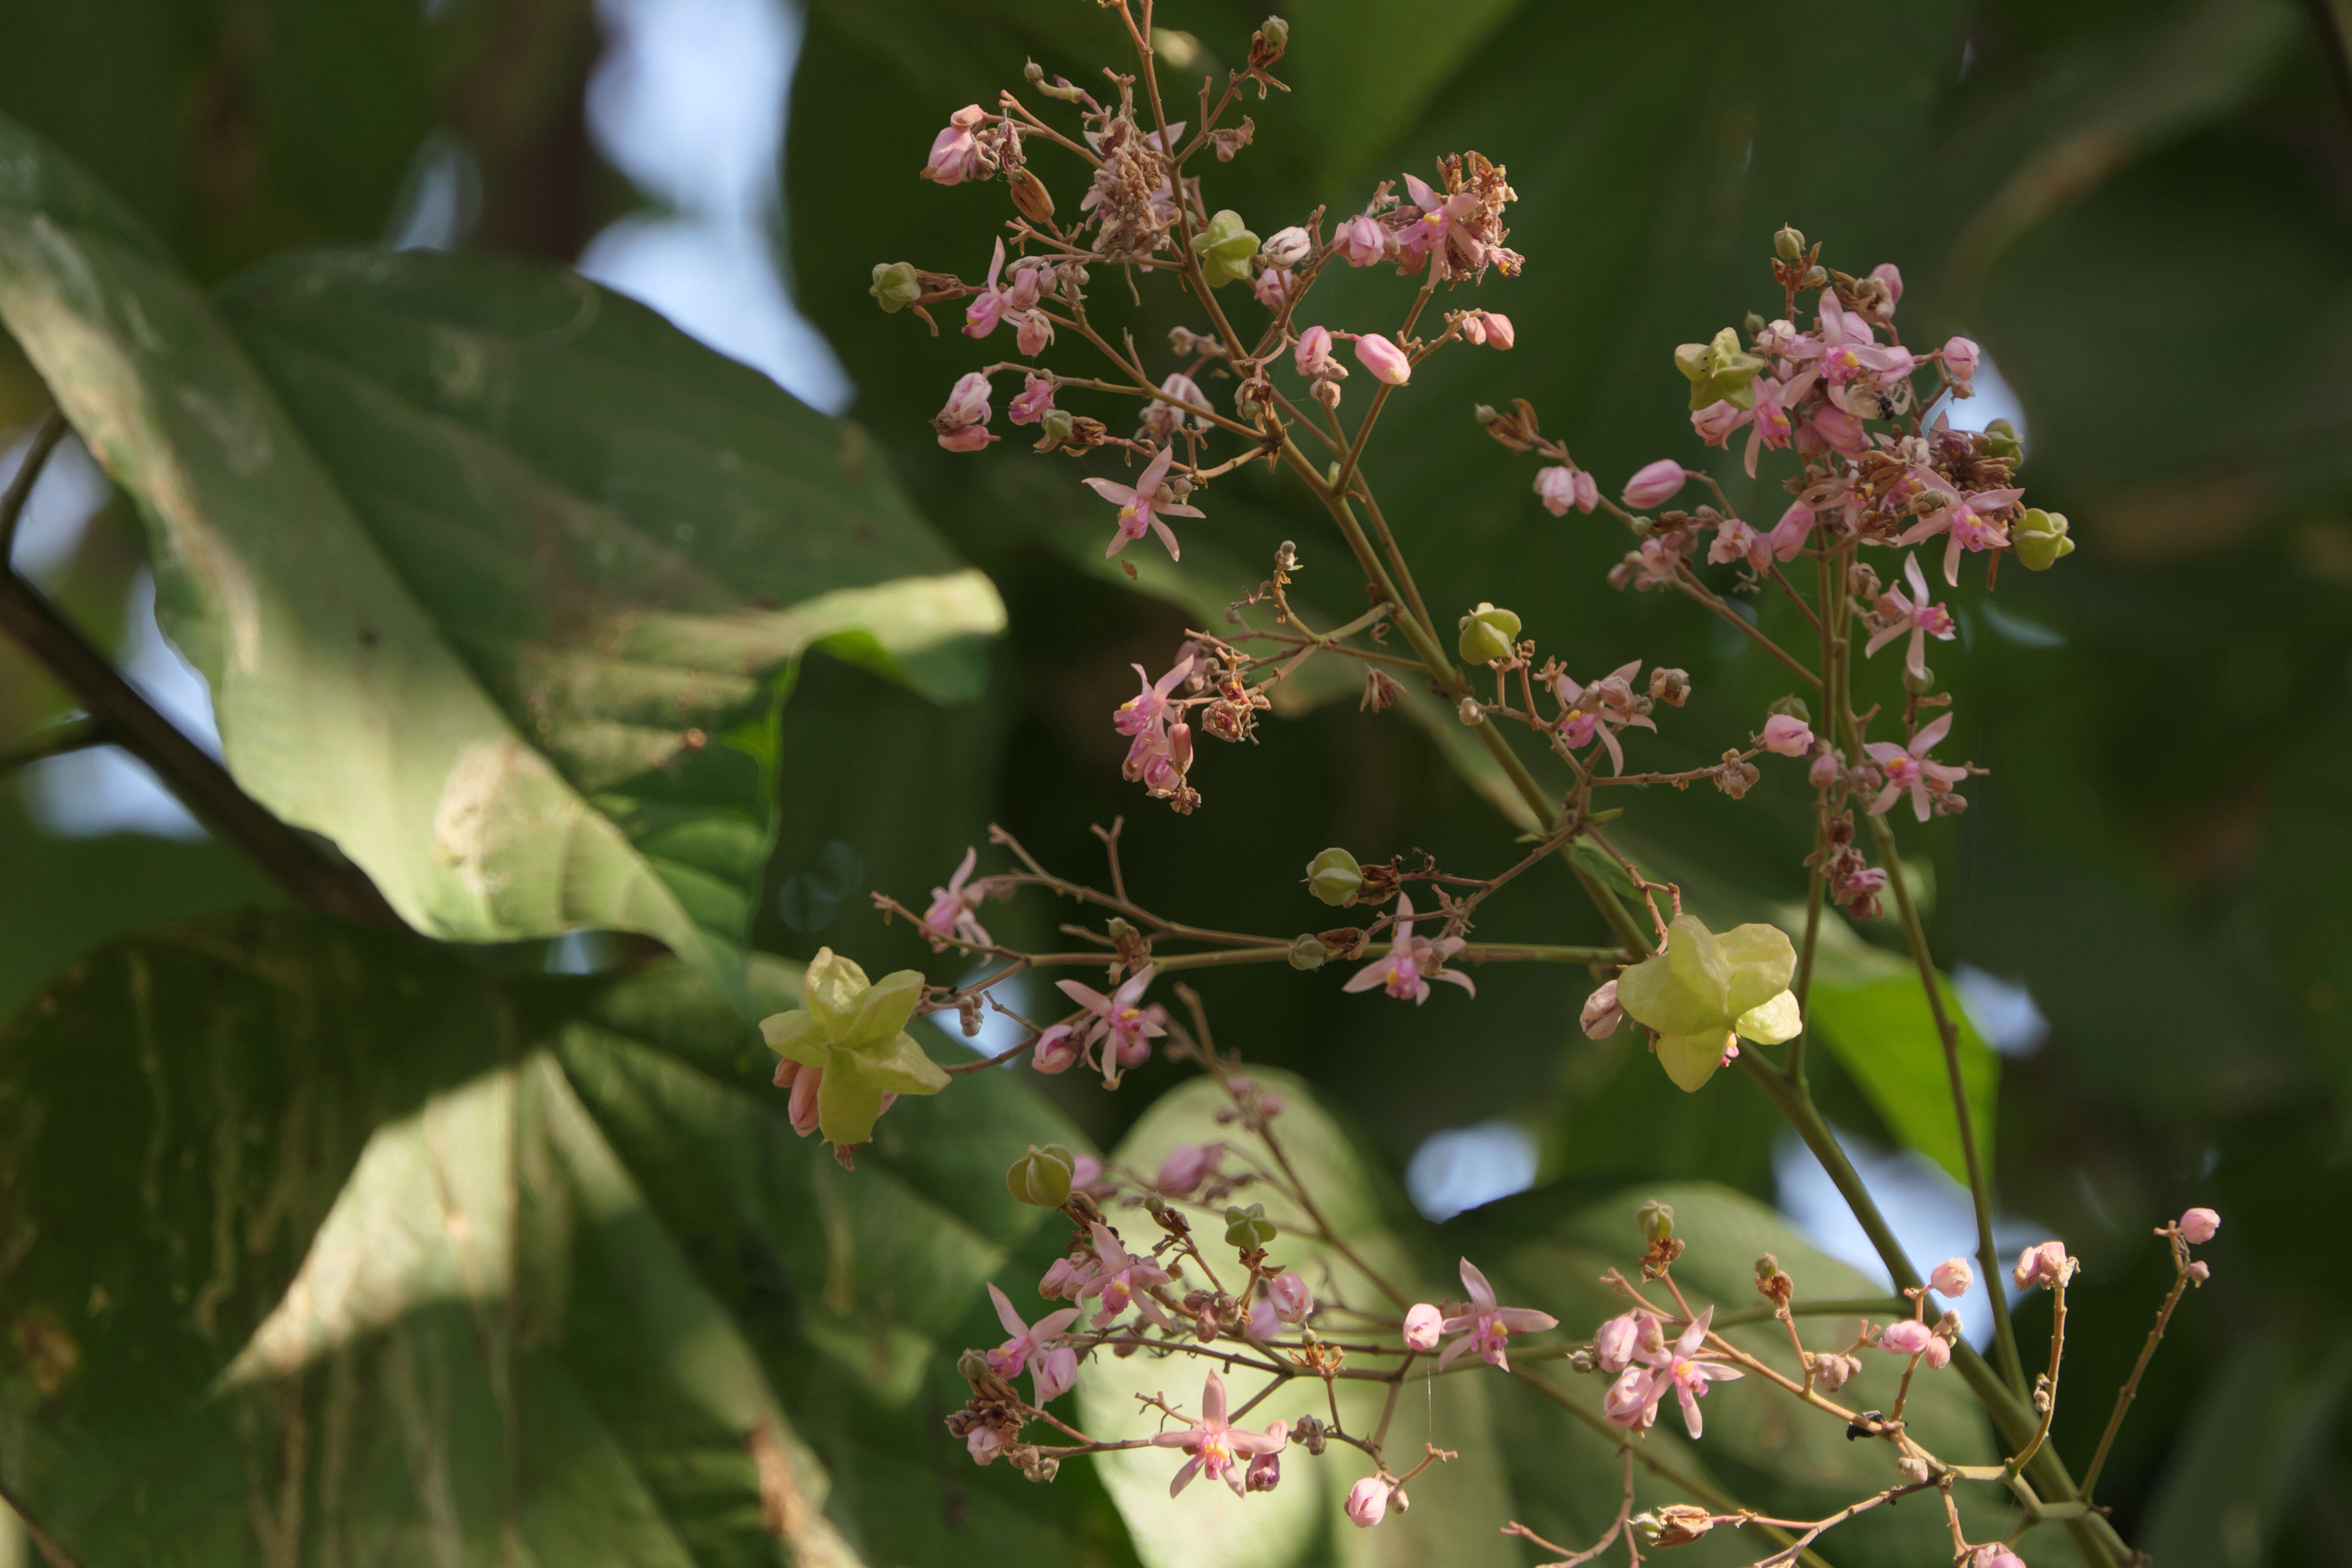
column 1787, row 735
column 1912, row 613
column 1791, row 533
column 1995, row 1557
column 1908, row 1337
column 1180, row 395
column 1273, row 286
column 2044, row 1265
column 1442, row 228
column 1147, row 711
column 1125, row 1028
column 1122, row 1278
column 1056, row 1049
column 1368, row 1502
column 1053, row 1368
column 1412, row 962
column 1601, row 1016
column 1265, row 1473
column 2198, row 1225
column 1607, row 705
column 1066, row 1276
column 1313, row 355
column 983, row 1444
column 1361, row 240
column 1886, row 273
column 1381, row 355
column 1291, row 1298
column 950, row 914
column 1423, row 1325
column 1186, row 1167
column 1143, row 505
column 1773, row 424
column 1623, row 1338
column 1908, row 768
column 955, row 155
column 962, row 424
column 1035, row 401
column 1633, row 1399
column 1560, row 486
column 1717, row 421
column 1487, row 1327
column 1953, row 1278
column 1965, row 519
column 987, row 307
column 1737, row 541
column 1214, row 1445
column 1036, row 334
column 1846, row 348
column 1960, row 356
column 804, row 1082
column 1655, row 484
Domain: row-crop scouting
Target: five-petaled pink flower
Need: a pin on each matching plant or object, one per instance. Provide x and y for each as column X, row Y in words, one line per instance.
column 1142, row 505
column 1485, row 1327
column 1911, row 613
column 1607, row 705
column 1412, row 962
column 1145, row 711
column 1908, row 768
column 1216, row 1446
column 1846, row 349
column 1052, row 1367
column 1122, row 1278
column 950, row 918
column 1124, row 1028
column 1633, row 1399
column 1965, row 520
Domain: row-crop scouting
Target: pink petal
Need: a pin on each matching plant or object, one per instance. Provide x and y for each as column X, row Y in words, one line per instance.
column 1691, row 1417
column 1525, row 1319
column 1085, row 996
column 1373, row 973
column 1455, row 977
column 1482, row 1295
column 1110, row 491
column 1167, row 536
column 1212, row 1402
column 1184, row 1477
column 1446, row 1357
column 1156, row 470
column 1917, row 578
column 1006, row 1315
column 1169, row 508
column 1929, row 734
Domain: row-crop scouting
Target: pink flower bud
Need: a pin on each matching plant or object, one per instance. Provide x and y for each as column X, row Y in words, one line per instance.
column 1383, row 359
column 1421, row 1326
column 1619, row 1338
column 1037, row 397
column 1655, row 484
column 1602, row 1014
column 1264, row 1474
column 1908, row 1337
column 801, row 1109
column 1055, row 1051
column 1499, row 331
column 2198, row 1225
column 1953, row 1278
column 1824, row 771
column 1960, row 356
column 1186, row 1165
column 983, row 1444
column 1368, row 1502
column 1034, row 334
column 1938, row 1354
column 2044, row 1265
column 1996, row 1557
column 1886, row 273
column 1313, row 355
column 1287, row 247
column 1790, row 534
column 1473, row 328
column 1291, row 1298
column 1787, row 735
column 1560, row 486
column 1361, row 240
column 1838, row 429
column 1717, row 421
column 2199, row 1273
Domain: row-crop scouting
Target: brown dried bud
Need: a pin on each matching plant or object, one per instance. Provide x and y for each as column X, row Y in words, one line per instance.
column 1030, row 196
column 1381, row 884
column 1671, row 687
column 1680, row 1523
column 1517, row 430
column 1344, row 941
column 1380, row 691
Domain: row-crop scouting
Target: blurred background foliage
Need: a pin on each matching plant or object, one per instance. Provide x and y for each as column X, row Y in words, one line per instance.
column 2141, row 211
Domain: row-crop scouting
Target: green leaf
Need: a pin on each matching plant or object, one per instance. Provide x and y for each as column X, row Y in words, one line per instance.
column 2249, row 1453
column 333, row 1247
column 1883, row 1034
column 494, row 574
column 1457, row 1509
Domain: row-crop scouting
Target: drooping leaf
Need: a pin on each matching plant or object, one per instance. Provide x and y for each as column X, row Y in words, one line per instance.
column 492, row 572
column 325, row 1245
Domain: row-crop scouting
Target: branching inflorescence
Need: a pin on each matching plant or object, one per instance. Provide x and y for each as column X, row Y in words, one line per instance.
column 1875, row 466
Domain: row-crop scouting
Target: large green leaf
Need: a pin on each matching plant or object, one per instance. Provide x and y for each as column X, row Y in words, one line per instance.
column 492, row 572
column 322, row 1245
column 1456, row 1511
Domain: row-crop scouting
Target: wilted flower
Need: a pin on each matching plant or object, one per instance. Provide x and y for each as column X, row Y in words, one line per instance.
column 955, row 153
column 962, row 424
column 1036, row 400
column 2044, row 1265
